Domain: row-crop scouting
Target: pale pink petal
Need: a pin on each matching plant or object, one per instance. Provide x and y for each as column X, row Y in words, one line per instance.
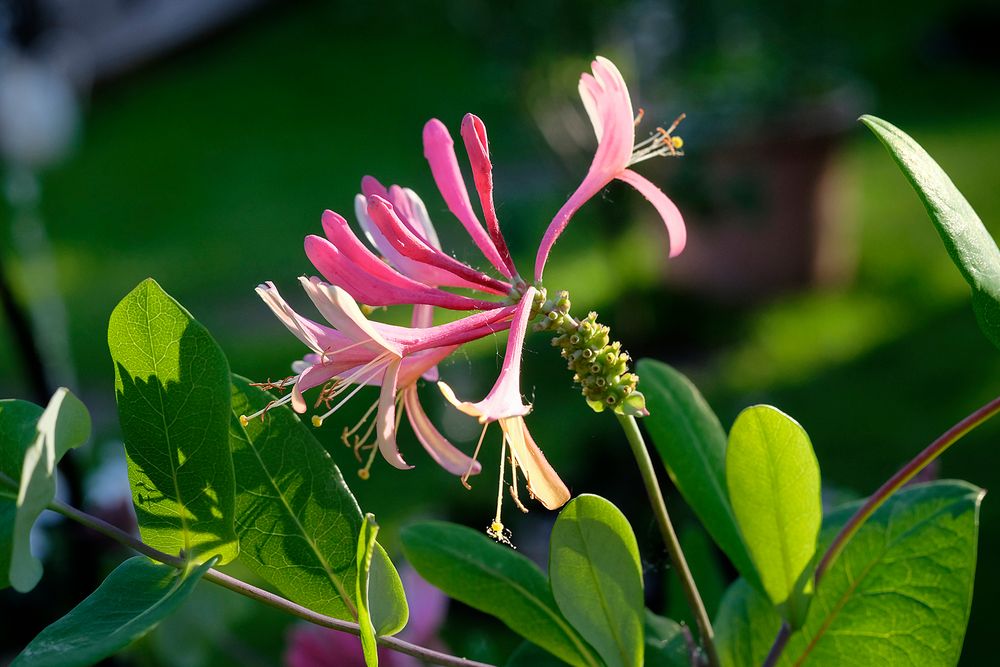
column 471, row 327
column 543, row 482
column 443, row 452
column 676, row 231
column 407, row 243
column 421, row 219
column 315, row 336
column 372, row 290
column 504, row 400
column 478, row 147
column 385, row 418
column 590, row 91
column 593, row 183
column 343, row 312
column 423, row 318
column 439, row 149
column 416, row 365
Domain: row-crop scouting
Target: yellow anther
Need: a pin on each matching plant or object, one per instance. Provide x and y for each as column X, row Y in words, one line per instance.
column 364, row 474
column 677, row 142
column 317, row 421
column 496, row 528
column 243, row 420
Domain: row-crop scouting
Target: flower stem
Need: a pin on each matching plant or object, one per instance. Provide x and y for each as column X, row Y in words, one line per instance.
column 250, row 591
column 877, row 499
column 635, row 440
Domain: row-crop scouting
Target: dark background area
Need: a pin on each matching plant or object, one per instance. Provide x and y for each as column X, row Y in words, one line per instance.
column 813, row 280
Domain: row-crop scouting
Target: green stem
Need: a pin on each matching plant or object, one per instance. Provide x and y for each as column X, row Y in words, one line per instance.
column 250, row 591
column 884, row 492
column 639, row 450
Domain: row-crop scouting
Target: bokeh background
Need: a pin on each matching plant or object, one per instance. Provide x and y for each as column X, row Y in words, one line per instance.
column 198, row 142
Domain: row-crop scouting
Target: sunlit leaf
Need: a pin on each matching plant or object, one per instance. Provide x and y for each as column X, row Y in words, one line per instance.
column 366, row 545
column 596, row 578
column 495, row 579
column 692, row 444
column 899, row 594
column 18, row 429
column 172, row 386
column 136, row 596
column 65, row 424
column 774, row 484
column 967, row 241
column 297, row 522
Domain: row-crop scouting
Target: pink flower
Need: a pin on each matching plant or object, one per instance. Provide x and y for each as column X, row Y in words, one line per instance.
column 606, row 99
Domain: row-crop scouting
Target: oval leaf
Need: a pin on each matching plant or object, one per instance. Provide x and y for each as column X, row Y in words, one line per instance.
column 899, row 594
column 136, row 596
column 172, row 386
column 692, row 445
column 596, row 578
column 297, row 522
column 474, row 569
column 18, row 429
column 967, row 241
column 774, row 484
column 65, row 424
column 666, row 644
column 366, row 545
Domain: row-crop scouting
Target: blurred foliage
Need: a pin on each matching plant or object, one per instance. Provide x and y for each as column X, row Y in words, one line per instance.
column 206, row 169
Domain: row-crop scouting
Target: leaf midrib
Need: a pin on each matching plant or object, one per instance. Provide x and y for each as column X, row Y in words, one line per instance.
column 331, row 575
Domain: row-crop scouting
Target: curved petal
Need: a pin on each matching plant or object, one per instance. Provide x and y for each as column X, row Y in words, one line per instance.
column 544, row 483
column 385, row 418
column 421, row 218
column 676, row 230
column 343, row 312
column 410, row 245
column 504, row 400
column 477, row 145
column 440, row 449
column 439, row 149
column 315, row 336
column 423, row 318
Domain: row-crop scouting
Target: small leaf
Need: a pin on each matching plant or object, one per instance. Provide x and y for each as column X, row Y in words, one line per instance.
column 666, row 645
column 692, row 444
column 172, row 386
column 967, row 241
column 297, row 522
column 366, row 545
column 136, row 596
column 65, row 424
column 899, row 594
column 597, row 578
column 474, row 569
column 18, row 429
column 774, row 484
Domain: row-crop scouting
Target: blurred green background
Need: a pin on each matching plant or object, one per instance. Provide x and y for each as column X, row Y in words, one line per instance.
column 813, row 280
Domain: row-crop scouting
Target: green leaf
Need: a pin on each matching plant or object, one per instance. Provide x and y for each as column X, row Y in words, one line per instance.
column 692, row 444
column 172, row 386
column 596, row 578
column 18, row 429
column 136, row 596
column 967, row 241
column 666, row 645
column 774, row 484
column 65, row 424
column 366, row 545
column 899, row 594
column 531, row 655
column 297, row 522
column 474, row 569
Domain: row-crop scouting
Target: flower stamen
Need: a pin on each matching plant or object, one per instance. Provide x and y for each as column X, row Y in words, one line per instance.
column 475, row 455
column 659, row 143
column 497, row 530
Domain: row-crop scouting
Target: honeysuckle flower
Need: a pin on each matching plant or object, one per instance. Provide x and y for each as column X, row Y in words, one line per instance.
column 606, row 99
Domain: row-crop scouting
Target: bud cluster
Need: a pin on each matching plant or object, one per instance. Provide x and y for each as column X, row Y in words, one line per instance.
column 599, row 364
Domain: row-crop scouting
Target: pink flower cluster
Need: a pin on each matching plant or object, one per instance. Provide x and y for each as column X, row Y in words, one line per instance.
column 403, row 263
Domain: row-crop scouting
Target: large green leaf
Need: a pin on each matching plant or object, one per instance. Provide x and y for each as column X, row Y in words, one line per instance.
column 692, row 444
column 366, row 546
column 172, row 385
column 297, row 521
column 18, row 429
column 899, row 594
column 474, row 569
column 65, row 424
column 530, row 655
column 596, row 578
column 970, row 245
column 774, row 484
column 666, row 645
column 136, row 596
